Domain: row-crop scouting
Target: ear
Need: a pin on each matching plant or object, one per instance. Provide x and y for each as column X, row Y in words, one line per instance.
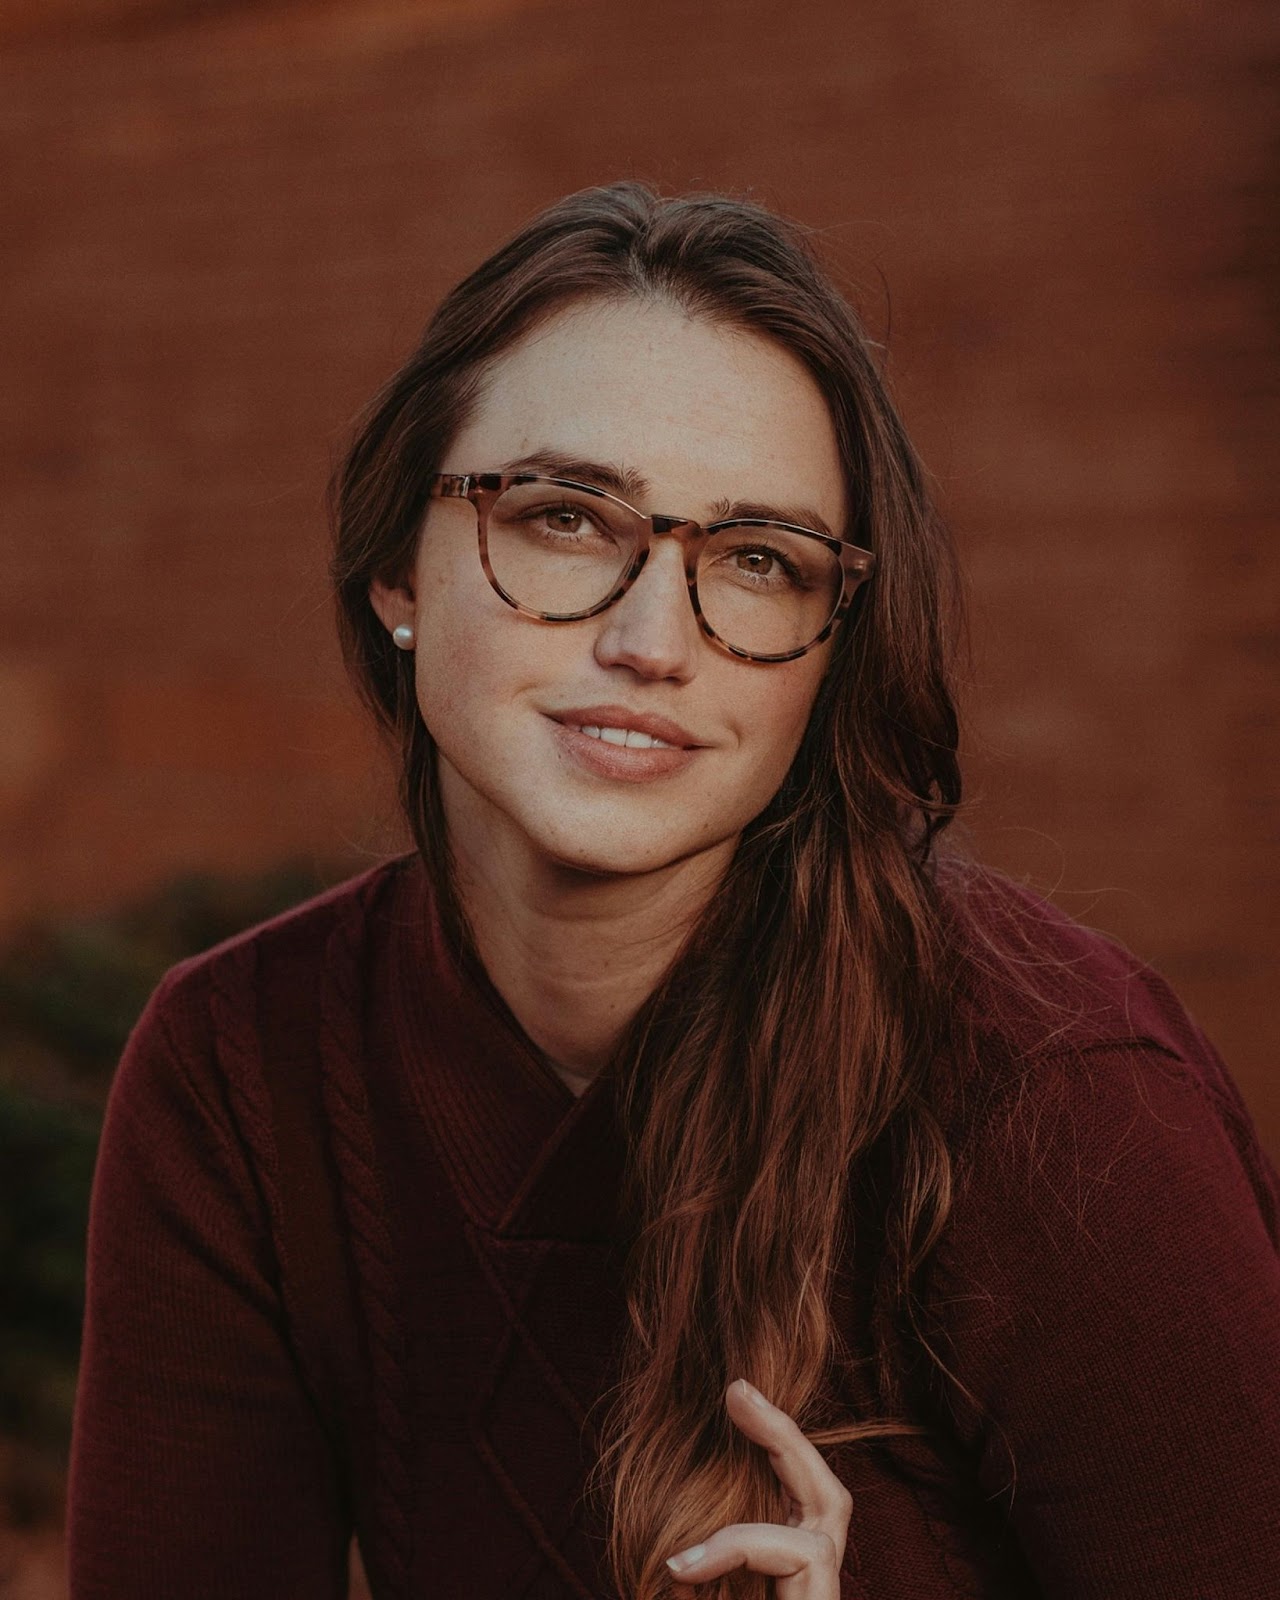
column 393, row 603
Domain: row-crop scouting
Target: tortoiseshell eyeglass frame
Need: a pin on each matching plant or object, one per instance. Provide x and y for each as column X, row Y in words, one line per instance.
column 483, row 488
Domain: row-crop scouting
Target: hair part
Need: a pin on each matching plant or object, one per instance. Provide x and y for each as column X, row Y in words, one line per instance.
column 787, row 1054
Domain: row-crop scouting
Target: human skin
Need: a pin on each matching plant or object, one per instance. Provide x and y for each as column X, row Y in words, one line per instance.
column 805, row 1555
column 581, row 869
column 579, row 886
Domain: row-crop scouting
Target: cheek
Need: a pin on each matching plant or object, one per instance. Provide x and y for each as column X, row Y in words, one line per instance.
column 477, row 664
column 773, row 718
column 445, row 677
column 451, row 668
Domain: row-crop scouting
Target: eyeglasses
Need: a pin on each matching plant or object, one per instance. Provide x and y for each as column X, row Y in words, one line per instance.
column 562, row 551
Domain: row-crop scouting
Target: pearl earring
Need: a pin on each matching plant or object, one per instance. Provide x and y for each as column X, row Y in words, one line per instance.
column 403, row 636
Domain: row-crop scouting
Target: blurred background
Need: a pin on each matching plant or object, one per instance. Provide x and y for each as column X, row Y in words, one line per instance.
column 225, row 224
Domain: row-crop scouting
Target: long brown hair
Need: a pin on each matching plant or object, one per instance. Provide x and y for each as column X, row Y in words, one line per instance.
column 791, row 1045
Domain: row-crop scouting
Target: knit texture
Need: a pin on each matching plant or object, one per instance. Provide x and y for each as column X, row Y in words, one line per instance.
column 1106, row 1297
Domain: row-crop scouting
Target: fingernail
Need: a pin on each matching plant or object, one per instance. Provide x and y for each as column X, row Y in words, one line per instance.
column 752, row 1393
column 687, row 1558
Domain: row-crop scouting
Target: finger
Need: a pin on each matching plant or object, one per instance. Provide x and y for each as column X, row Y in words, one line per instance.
column 821, row 1501
column 807, row 1558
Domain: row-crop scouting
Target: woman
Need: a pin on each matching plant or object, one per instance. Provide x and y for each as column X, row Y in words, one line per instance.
column 453, row 1206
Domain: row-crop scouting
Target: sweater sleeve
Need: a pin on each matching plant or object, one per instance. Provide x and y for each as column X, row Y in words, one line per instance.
column 199, row 1466
column 1109, row 1291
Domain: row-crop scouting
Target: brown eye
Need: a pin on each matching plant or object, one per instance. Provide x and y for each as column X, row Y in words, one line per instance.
column 764, row 566
column 565, row 519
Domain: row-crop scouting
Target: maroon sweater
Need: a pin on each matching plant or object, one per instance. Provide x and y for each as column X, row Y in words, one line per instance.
column 385, row 1299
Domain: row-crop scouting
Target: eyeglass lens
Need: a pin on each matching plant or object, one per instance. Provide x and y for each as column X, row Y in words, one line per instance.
column 763, row 589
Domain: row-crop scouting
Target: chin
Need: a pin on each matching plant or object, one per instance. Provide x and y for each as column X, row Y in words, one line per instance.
column 599, row 860
column 597, row 853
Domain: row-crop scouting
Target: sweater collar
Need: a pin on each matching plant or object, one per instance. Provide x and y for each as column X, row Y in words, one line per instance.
column 527, row 1158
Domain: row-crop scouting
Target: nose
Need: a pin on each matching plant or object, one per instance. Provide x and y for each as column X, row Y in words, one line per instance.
column 652, row 628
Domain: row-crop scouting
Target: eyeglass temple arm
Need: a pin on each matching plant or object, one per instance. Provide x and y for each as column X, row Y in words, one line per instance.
column 857, row 560
column 450, row 485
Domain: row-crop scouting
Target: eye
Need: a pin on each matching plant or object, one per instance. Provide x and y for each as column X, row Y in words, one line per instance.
column 764, row 565
column 566, row 519
column 760, row 563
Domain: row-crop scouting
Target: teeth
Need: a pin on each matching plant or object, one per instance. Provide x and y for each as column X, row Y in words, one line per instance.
column 630, row 737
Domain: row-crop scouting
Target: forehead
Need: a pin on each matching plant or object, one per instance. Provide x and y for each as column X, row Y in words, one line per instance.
column 695, row 407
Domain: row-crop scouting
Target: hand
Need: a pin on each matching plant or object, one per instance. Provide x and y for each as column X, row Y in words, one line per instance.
column 805, row 1555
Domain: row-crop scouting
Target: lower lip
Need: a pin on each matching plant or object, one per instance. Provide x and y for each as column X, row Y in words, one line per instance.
column 630, row 764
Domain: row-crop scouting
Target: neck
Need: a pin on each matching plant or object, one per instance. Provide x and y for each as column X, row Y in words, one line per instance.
column 575, row 954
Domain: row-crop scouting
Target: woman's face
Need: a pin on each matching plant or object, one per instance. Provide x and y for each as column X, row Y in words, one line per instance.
column 698, row 416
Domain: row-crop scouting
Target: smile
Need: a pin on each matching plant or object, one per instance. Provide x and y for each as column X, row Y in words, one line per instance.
column 622, row 745
column 632, row 738
column 626, row 727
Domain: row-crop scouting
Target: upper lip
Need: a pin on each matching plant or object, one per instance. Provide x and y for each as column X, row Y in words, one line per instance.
column 620, row 717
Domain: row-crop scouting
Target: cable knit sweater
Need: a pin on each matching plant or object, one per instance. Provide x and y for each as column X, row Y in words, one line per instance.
column 386, row 1301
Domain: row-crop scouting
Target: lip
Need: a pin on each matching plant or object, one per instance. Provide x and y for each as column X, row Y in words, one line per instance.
column 620, row 717
column 623, row 763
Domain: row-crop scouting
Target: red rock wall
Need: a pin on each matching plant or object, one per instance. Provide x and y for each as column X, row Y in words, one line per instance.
column 224, row 224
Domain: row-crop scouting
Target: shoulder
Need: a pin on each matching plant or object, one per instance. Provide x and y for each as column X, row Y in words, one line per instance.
column 1032, row 984
column 1065, row 1039
column 1103, row 1296
column 1079, row 1072
column 216, row 1017
column 278, row 963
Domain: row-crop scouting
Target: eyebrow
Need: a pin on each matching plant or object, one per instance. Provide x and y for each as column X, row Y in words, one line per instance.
column 628, row 484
